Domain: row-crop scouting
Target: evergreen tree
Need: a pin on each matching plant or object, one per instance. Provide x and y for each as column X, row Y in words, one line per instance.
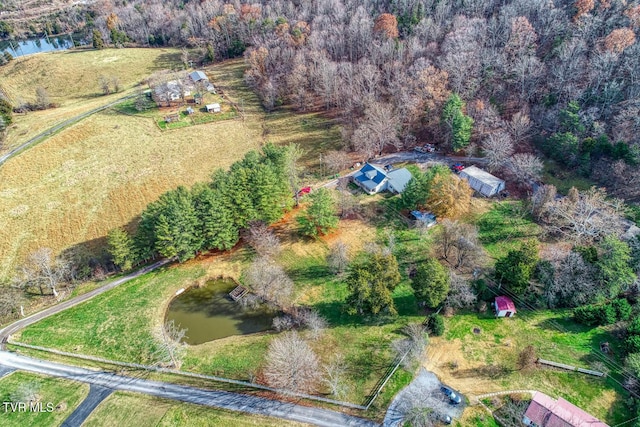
column 458, row 125
column 320, row 217
column 6, row 110
column 121, row 248
column 216, row 224
column 517, row 267
column 176, row 226
column 370, row 284
column 614, row 266
column 431, row 283
column 98, row 43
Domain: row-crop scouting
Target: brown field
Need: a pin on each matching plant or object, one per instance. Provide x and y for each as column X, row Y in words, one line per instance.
column 71, row 79
column 102, row 172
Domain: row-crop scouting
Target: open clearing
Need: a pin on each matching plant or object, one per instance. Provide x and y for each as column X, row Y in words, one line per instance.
column 122, row 408
column 63, row 394
column 484, row 362
column 102, row 172
column 71, row 79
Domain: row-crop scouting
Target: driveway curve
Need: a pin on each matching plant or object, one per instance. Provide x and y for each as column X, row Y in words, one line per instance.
column 14, row 327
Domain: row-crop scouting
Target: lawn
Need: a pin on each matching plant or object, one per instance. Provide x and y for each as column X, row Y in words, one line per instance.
column 65, row 395
column 122, row 408
column 136, row 308
column 505, row 226
column 479, row 362
column 564, row 179
column 71, row 79
column 102, row 172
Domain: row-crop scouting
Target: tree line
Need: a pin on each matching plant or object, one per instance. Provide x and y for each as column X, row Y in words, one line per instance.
column 209, row 216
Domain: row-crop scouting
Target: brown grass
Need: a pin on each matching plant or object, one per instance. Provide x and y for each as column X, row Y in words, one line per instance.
column 102, row 172
column 71, row 79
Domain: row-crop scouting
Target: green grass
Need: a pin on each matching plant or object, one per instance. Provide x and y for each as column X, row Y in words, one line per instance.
column 505, row 226
column 131, row 409
column 564, row 179
column 494, row 352
column 63, row 394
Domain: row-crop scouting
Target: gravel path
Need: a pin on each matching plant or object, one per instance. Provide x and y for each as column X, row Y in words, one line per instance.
column 424, row 390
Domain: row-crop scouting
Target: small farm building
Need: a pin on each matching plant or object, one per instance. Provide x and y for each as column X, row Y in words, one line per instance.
column 373, row 179
column 190, row 111
column 197, row 76
column 213, row 108
column 482, row 181
column 504, row 307
column 544, row 411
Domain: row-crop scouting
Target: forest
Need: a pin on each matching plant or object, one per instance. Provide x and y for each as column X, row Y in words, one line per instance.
column 557, row 78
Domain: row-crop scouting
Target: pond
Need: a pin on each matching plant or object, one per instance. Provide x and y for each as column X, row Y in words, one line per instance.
column 209, row 314
column 44, row 44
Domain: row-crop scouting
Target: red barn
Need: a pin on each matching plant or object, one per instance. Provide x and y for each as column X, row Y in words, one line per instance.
column 504, row 307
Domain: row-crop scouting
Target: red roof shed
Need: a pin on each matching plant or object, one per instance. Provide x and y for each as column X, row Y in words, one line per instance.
column 504, row 307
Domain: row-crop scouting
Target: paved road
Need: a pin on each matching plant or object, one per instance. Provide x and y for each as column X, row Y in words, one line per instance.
column 5, row 371
column 96, row 395
column 217, row 399
column 58, row 127
column 6, row 332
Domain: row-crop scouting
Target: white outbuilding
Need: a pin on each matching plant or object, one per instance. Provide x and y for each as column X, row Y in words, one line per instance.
column 213, row 108
column 482, row 181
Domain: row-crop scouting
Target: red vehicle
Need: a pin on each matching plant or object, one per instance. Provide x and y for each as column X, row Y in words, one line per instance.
column 303, row 191
column 457, row 167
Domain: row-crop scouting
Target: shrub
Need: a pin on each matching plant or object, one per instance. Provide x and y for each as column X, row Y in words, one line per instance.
column 632, row 344
column 436, row 325
column 623, row 309
column 634, row 327
column 587, row 315
column 607, row 314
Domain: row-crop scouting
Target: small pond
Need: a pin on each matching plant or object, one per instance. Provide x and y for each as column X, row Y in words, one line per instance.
column 43, row 44
column 209, row 314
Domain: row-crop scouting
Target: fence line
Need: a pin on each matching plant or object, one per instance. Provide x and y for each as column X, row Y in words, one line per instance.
column 191, row 374
column 571, row 368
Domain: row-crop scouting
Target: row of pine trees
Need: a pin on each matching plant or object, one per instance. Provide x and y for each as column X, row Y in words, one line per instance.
column 183, row 222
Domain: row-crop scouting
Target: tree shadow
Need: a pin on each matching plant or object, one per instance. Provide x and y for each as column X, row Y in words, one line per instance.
column 485, row 372
column 168, row 60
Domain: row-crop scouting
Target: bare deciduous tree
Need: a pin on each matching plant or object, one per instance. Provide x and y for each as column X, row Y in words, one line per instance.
column 584, row 217
column 263, row 240
column 413, row 346
column 43, row 271
column 338, row 258
column 378, row 130
column 519, row 127
column 42, row 98
column 497, row 148
column 104, row 85
column 26, row 392
column 270, row 282
column 336, row 161
column 291, row 364
column 457, row 243
column 525, row 167
column 169, row 347
column 544, row 195
column 461, row 294
column 10, row 300
column 335, row 372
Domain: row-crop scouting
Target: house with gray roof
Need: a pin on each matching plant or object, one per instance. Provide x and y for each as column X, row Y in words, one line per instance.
column 373, row 179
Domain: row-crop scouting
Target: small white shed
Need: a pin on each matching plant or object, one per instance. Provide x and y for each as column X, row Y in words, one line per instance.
column 482, row 181
column 213, row 108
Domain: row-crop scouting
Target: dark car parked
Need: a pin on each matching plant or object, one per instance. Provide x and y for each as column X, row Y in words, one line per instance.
column 454, row 398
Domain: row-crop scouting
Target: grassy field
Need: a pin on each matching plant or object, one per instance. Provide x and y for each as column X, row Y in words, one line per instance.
column 505, row 226
column 132, row 409
column 102, row 172
column 71, row 79
column 483, row 362
column 63, row 394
